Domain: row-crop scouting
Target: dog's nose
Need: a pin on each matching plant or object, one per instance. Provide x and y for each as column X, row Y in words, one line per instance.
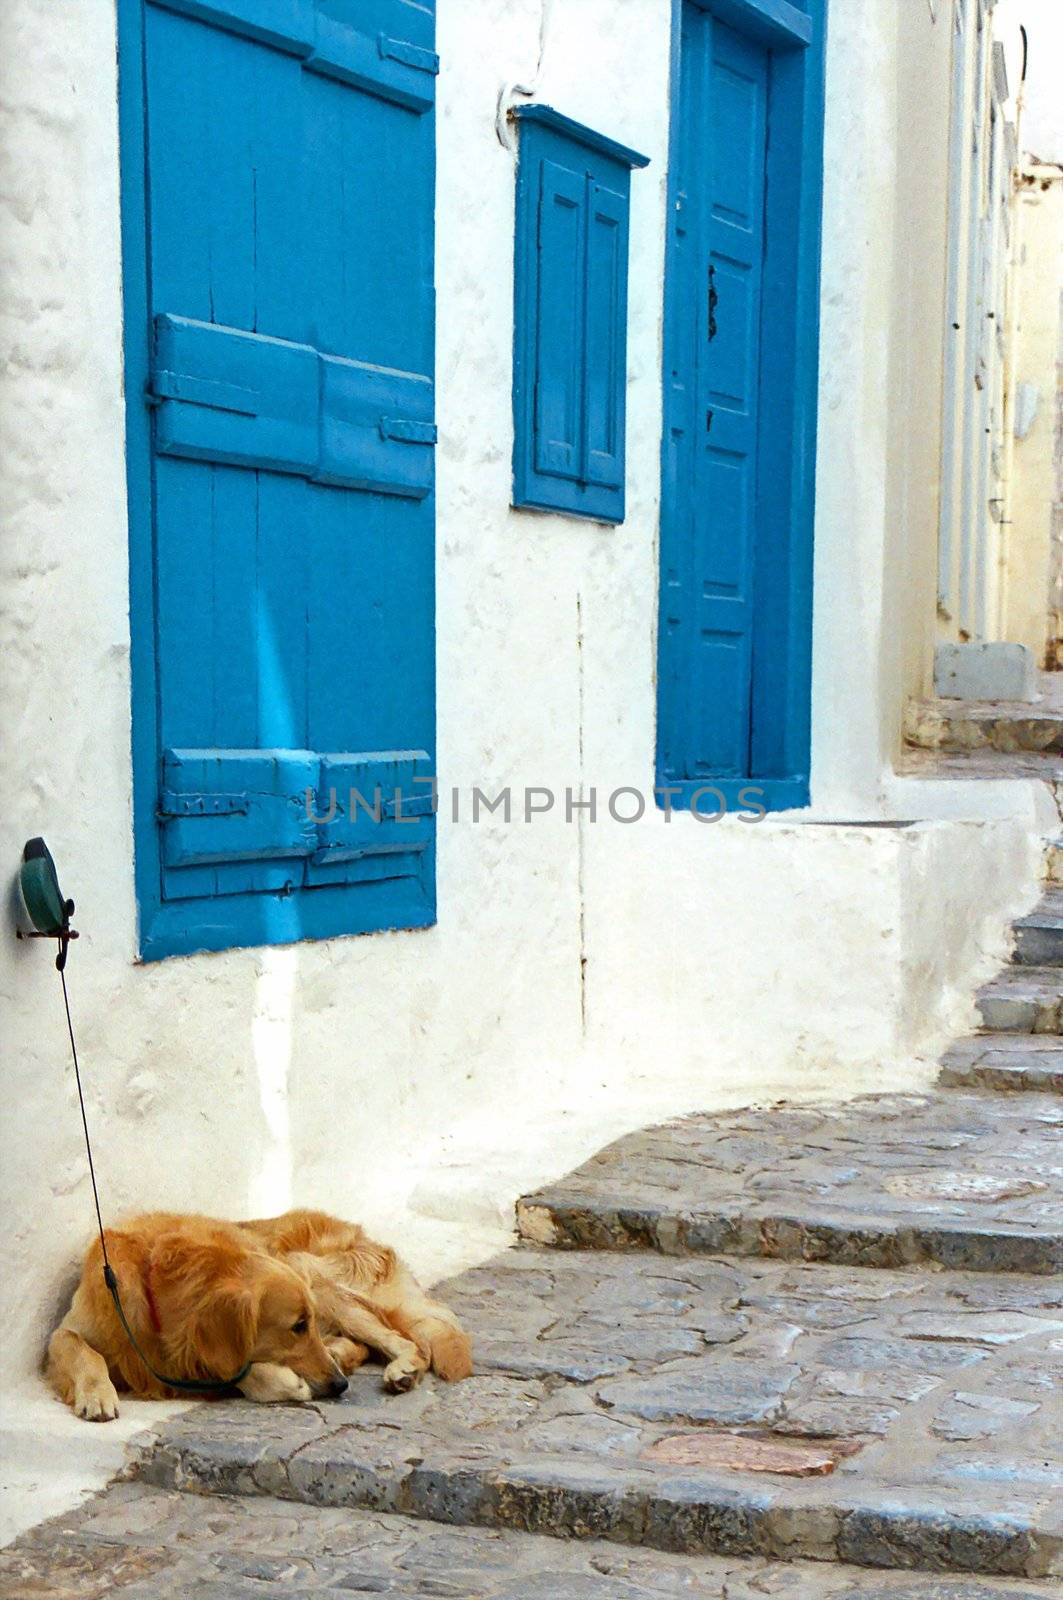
column 338, row 1385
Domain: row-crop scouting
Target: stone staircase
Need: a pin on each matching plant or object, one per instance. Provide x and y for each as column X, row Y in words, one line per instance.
column 1021, row 1009
column 809, row 1351
column 1005, row 726
column 988, row 739
column 1009, row 727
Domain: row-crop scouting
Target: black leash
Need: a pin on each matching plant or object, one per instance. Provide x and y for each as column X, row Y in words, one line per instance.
column 187, row 1385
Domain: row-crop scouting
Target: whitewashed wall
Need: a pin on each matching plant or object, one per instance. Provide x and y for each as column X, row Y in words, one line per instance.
column 581, row 978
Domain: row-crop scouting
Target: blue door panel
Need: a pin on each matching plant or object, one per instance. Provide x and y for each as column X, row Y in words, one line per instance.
column 744, row 191
column 733, row 126
column 720, row 671
column 287, row 358
column 724, row 563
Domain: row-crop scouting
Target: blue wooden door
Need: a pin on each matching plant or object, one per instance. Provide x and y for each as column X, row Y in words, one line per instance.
column 728, row 123
column 729, row 558
column 283, row 514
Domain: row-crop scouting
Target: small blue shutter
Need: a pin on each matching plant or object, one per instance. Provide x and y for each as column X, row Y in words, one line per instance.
column 281, row 467
column 570, row 333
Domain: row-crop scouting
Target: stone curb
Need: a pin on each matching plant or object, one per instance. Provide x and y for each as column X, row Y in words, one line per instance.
column 661, row 1511
column 607, row 1222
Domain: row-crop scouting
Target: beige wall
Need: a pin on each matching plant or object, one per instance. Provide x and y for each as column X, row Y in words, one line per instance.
column 1032, row 570
column 917, row 312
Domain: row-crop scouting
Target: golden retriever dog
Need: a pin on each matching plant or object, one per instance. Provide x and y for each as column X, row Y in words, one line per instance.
column 367, row 1299
column 304, row 1298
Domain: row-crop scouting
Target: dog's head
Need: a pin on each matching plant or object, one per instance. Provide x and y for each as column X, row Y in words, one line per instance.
column 223, row 1307
column 286, row 1330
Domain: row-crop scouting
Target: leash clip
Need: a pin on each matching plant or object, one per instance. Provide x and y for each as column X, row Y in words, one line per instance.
column 64, row 936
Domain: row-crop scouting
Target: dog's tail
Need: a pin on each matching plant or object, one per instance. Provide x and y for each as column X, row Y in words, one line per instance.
column 450, row 1347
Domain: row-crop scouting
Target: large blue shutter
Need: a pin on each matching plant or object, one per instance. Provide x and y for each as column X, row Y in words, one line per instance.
column 283, row 519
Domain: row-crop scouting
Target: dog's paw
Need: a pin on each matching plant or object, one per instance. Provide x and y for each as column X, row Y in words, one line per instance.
column 96, row 1400
column 348, row 1354
column 273, row 1385
column 404, row 1373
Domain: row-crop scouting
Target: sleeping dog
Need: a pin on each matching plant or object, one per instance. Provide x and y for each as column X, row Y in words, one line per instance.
column 304, row 1298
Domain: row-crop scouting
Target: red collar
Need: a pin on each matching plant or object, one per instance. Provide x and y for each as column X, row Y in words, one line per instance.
column 153, row 1310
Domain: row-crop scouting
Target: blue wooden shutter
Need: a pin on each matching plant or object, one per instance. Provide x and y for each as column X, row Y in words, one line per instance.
column 560, row 356
column 570, row 334
column 281, row 473
column 606, row 298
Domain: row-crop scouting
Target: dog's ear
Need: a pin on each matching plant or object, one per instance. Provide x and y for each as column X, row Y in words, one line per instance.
column 209, row 1312
column 224, row 1331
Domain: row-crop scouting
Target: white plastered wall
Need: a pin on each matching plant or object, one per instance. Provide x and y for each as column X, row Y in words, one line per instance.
column 582, row 978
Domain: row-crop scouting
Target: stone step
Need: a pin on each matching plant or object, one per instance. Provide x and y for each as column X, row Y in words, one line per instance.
column 753, row 1409
column 884, row 1181
column 1039, row 937
column 146, row 1543
column 967, row 725
column 1005, row 1061
column 983, row 766
column 1023, row 999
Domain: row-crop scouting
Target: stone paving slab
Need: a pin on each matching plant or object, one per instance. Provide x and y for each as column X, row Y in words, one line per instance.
column 944, row 1389
column 143, row 1544
column 1005, row 1062
column 886, row 1180
column 1023, row 1000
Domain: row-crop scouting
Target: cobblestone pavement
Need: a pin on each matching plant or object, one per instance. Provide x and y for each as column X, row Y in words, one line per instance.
column 886, row 1181
column 137, row 1543
column 603, row 1380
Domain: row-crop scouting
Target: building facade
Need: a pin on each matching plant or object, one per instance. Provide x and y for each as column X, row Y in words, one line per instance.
column 328, row 468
